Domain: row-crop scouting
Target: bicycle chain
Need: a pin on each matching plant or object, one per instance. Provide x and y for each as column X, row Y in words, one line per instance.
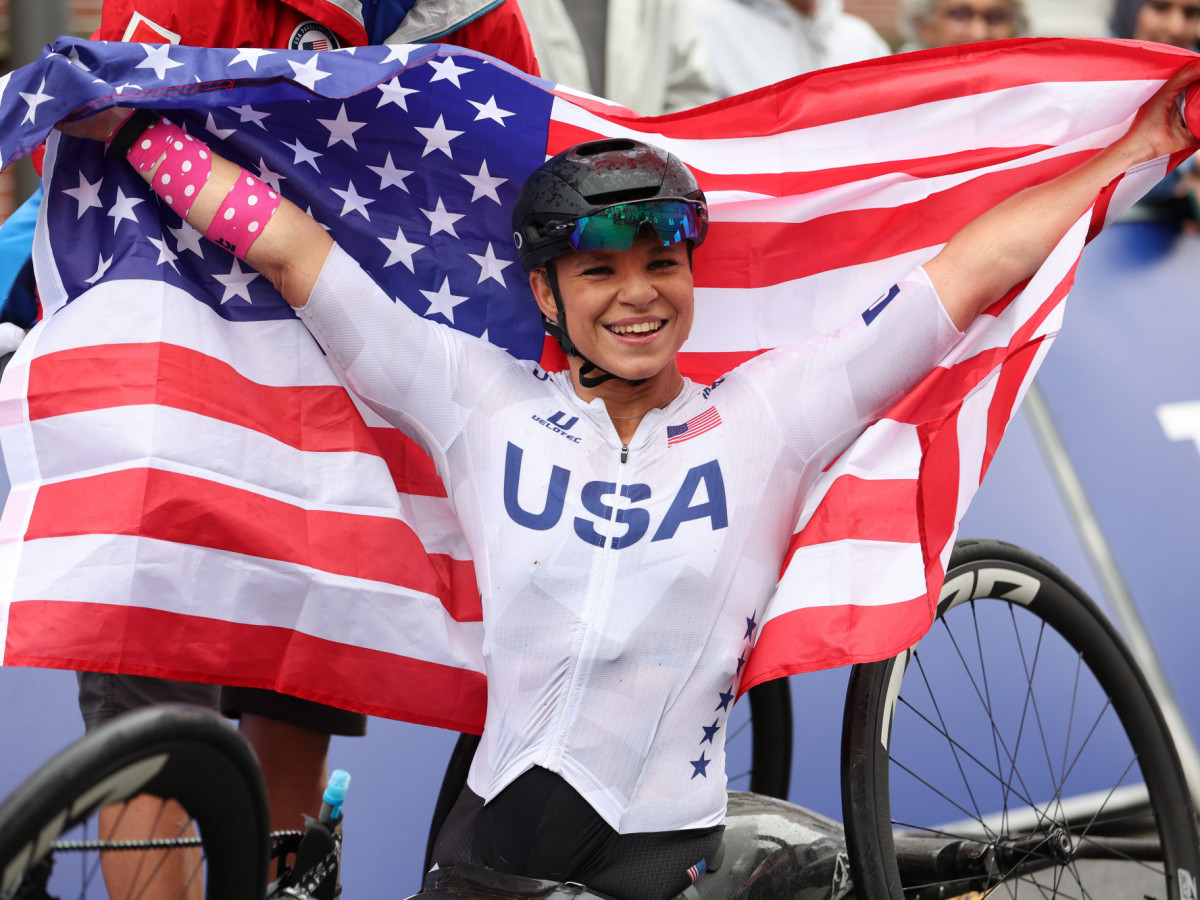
column 156, row 843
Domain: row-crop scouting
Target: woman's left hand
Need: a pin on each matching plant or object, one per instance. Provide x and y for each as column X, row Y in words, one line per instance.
column 1159, row 128
column 98, row 127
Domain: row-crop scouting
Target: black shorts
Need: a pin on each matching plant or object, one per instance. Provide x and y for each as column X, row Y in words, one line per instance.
column 541, row 827
column 286, row 708
column 103, row 696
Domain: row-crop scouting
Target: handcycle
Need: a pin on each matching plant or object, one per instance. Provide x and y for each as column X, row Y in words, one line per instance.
column 1015, row 749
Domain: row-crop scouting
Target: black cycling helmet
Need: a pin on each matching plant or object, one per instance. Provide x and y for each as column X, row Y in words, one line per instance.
column 591, row 177
column 600, row 195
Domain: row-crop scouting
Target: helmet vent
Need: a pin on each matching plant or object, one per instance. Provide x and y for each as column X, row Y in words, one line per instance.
column 592, row 148
column 629, row 195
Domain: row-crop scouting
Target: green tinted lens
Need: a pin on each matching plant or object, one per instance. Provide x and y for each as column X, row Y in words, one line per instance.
column 616, row 228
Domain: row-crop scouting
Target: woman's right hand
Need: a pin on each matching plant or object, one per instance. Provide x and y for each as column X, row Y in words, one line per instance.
column 98, row 127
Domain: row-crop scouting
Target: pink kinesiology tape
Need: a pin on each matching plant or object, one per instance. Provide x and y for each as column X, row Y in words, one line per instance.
column 185, row 166
column 243, row 214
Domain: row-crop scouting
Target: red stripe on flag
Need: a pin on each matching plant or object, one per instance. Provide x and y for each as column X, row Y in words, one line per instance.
column 412, row 469
column 820, row 97
column 318, row 418
column 140, row 641
column 861, row 509
column 757, row 254
column 824, row 637
column 1004, row 399
column 169, row 506
column 938, row 487
column 783, row 184
column 314, row 417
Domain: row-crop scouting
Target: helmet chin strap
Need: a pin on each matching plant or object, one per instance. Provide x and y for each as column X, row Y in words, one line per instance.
column 590, row 374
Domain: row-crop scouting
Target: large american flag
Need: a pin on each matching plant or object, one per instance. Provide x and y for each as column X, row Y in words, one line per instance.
column 194, row 493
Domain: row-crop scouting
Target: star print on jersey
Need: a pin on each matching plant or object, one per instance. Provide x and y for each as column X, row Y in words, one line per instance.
column 418, row 198
column 726, row 697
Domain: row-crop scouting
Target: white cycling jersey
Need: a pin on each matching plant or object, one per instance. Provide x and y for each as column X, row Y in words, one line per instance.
column 621, row 585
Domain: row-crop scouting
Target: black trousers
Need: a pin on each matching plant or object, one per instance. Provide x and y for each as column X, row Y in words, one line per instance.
column 539, row 826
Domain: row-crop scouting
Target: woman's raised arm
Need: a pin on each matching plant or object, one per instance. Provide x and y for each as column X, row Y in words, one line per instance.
column 217, row 197
column 1009, row 242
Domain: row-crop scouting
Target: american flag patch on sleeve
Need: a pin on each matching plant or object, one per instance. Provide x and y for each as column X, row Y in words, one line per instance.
column 693, row 427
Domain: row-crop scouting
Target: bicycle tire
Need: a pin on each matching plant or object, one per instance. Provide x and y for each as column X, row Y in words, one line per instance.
column 770, row 723
column 175, row 753
column 1055, row 828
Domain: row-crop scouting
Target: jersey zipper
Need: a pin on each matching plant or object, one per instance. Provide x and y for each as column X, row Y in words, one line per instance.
column 599, row 593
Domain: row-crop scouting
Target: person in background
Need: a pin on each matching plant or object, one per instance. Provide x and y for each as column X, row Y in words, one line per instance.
column 1177, row 23
column 647, row 55
column 758, row 42
column 1174, row 22
column 944, row 23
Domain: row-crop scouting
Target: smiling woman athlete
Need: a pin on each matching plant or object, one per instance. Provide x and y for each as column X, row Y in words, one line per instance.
column 619, row 559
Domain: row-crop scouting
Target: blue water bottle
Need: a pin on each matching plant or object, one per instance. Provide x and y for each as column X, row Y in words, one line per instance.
column 316, row 874
column 332, row 799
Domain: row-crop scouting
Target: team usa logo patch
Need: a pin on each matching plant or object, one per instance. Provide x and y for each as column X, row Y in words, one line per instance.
column 693, row 427
column 312, row 35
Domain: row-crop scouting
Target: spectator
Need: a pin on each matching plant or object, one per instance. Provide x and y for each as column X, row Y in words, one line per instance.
column 943, row 23
column 644, row 54
column 1174, row 22
column 757, row 42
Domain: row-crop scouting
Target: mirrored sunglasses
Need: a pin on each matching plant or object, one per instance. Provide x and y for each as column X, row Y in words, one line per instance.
column 616, row 227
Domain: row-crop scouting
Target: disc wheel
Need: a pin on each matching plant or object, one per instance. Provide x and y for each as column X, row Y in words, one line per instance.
column 1016, row 749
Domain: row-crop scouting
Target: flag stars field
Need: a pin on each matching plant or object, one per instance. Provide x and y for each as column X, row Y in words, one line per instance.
column 441, row 220
column 353, row 201
column 396, row 93
column 158, row 58
column 442, row 301
column 87, row 194
column 249, row 56
column 490, row 266
column 400, row 250
column 33, row 101
column 448, row 70
column 122, row 209
column 490, row 111
column 307, row 74
column 236, row 282
column 390, row 175
column 438, row 137
column 250, row 114
column 484, row 183
column 274, row 179
column 341, row 129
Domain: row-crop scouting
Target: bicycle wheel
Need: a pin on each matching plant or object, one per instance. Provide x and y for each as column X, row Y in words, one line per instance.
column 1016, row 748
column 762, row 764
column 172, row 759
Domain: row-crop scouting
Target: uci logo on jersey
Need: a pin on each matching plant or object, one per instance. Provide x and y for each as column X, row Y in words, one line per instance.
column 689, row 503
